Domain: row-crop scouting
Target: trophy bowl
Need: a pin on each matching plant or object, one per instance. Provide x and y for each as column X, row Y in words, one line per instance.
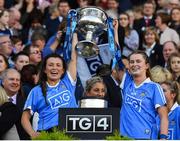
column 91, row 22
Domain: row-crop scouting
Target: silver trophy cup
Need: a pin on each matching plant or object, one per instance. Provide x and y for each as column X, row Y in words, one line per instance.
column 91, row 22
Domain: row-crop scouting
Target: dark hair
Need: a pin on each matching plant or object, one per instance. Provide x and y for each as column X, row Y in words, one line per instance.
column 175, row 8
column 37, row 36
column 103, row 70
column 146, row 58
column 175, row 54
column 43, row 76
column 5, row 60
column 174, row 88
column 175, row 45
column 27, row 73
column 165, row 18
column 15, row 39
column 15, row 57
column 126, row 14
column 2, row 12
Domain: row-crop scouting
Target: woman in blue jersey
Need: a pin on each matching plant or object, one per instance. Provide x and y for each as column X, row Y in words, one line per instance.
column 172, row 94
column 142, row 101
column 56, row 90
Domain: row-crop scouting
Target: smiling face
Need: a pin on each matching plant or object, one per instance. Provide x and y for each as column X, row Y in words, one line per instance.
column 54, row 70
column 175, row 15
column 97, row 90
column 149, row 37
column 137, row 65
column 12, row 82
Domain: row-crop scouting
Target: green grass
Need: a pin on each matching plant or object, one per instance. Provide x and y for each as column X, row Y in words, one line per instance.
column 116, row 136
column 55, row 135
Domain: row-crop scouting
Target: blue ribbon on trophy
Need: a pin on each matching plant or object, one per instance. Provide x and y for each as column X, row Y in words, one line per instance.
column 115, row 51
column 71, row 25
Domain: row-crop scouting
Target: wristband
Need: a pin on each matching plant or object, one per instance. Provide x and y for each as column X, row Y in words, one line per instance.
column 163, row 136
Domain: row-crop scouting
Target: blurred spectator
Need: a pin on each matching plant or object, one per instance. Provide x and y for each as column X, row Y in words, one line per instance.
column 171, row 91
column 29, row 14
column 112, row 8
column 162, row 5
column 169, row 47
column 131, row 17
column 103, row 70
column 4, row 19
column 3, row 65
column 131, row 40
column 64, row 8
column 29, row 78
column 35, row 55
column 160, row 74
column 174, row 65
column 173, row 4
column 165, row 33
column 6, row 47
column 14, row 21
column 17, row 44
column 11, row 84
column 53, row 20
column 9, row 118
column 146, row 21
column 138, row 14
column 2, row 4
column 101, row 4
column 175, row 19
column 43, row 4
column 38, row 40
column 36, row 27
column 56, row 42
column 83, row 3
column 112, row 82
column 20, row 59
column 152, row 47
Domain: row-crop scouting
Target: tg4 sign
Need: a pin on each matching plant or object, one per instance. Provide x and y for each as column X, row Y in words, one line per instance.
column 89, row 123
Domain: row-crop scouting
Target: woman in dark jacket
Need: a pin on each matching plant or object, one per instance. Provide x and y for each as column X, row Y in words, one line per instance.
column 152, row 47
column 9, row 117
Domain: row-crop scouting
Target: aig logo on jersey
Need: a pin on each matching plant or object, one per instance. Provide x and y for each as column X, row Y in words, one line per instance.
column 59, row 100
column 89, row 123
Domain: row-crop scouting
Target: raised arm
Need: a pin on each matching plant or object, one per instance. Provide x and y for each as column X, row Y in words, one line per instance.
column 115, row 24
column 73, row 62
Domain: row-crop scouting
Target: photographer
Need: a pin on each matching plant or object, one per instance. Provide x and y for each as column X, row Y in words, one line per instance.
column 56, row 42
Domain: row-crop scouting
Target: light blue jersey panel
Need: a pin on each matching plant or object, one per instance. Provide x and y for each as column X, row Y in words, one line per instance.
column 174, row 123
column 138, row 112
column 59, row 96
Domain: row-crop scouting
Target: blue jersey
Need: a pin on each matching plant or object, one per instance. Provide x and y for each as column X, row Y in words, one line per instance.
column 59, row 96
column 174, row 123
column 138, row 112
